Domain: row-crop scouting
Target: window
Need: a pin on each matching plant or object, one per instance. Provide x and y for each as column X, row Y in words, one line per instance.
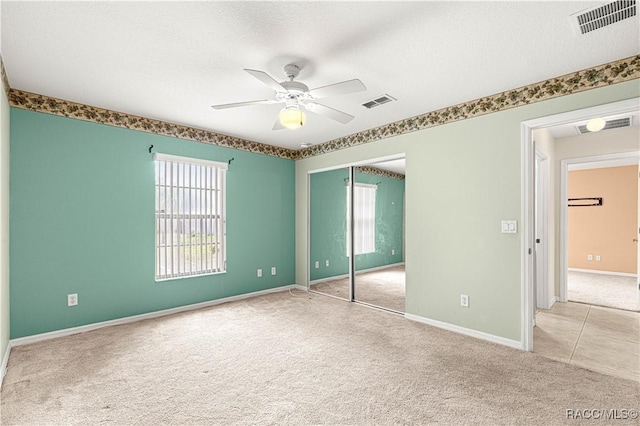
column 190, row 217
column 364, row 218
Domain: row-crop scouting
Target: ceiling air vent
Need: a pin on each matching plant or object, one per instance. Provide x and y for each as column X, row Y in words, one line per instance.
column 598, row 17
column 609, row 124
column 378, row 101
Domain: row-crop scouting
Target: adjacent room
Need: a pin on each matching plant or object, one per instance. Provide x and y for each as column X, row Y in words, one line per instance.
column 603, row 243
column 587, row 295
column 318, row 212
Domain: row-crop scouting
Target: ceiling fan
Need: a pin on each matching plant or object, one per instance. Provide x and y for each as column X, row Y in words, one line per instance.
column 296, row 96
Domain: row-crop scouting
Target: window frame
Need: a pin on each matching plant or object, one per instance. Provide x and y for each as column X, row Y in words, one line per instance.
column 208, row 197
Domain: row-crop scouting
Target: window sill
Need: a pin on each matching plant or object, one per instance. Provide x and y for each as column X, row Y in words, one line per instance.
column 189, row 276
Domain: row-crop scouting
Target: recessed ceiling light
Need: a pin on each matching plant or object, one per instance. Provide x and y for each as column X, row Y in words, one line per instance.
column 596, row 124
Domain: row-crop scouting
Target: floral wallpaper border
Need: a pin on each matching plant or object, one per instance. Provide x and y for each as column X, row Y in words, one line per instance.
column 379, row 172
column 600, row 76
column 45, row 104
column 5, row 78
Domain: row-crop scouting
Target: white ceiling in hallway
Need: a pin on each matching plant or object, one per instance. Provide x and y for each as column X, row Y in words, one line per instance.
column 172, row 60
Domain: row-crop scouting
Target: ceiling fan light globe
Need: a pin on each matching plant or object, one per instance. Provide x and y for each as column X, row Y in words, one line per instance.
column 292, row 118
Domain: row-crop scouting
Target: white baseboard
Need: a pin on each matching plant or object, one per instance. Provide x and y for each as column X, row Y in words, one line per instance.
column 362, row 271
column 552, row 301
column 324, row 280
column 84, row 328
column 467, row 331
column 596, row 271
column 377, row 268
column 5, row 361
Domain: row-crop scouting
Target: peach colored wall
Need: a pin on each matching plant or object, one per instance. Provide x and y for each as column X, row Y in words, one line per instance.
column 608, row 230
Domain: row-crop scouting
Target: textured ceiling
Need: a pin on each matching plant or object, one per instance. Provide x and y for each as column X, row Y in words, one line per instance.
column 172, row 60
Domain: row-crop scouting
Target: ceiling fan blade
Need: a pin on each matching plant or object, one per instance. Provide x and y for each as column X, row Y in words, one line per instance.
column 277, row 125
column 239, row 104
column 266, row 79
column 329, row 112
column 349, row 86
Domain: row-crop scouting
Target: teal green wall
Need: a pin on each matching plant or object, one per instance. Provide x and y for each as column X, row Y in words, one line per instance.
column 389, row 222
column 328, row 223
column 82, row 221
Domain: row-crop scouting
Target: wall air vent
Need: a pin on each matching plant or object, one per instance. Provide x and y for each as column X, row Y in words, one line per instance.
column 609, row 124
column 378, row 101
column 598, row 17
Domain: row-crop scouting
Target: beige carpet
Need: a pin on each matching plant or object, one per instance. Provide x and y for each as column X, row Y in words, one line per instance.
column 612, row 291
column 383, row 287
column 282, row 359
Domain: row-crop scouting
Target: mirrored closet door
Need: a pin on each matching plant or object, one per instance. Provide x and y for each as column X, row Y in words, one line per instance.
column 378, row 214
column 376, row 273
column 328, row 234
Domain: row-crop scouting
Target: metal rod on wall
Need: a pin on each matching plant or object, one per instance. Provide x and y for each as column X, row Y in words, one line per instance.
column 585, row 202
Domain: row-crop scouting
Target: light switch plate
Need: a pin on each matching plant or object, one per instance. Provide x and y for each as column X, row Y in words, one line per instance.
column 509, row 226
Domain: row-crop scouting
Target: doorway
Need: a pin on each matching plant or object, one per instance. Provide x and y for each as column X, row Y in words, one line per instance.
column 528, row 241
column 599, row 240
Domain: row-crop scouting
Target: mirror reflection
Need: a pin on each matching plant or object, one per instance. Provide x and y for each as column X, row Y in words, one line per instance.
column 379, row 234
column 329, row 264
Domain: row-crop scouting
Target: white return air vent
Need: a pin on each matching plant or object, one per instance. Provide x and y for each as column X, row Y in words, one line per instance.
column 378, row 101
column 601, row 16
column 609, row 124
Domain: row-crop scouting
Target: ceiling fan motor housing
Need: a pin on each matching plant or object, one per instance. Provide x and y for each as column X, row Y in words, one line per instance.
column 295, row 87
column 291, row 71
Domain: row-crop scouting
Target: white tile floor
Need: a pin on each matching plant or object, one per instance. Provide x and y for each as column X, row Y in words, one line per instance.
column 596, row 338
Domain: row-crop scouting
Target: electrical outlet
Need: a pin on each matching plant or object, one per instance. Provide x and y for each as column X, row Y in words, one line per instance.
column 589, row 257
column 393, row 252
column 72, row 299
column 259, row 273
column 326, row 263
column 464, row 300
column 598, row 258
column 273, row 270
column 317, row 264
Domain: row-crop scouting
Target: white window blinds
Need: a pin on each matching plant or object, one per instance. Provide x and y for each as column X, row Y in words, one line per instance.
column 364, row 215
column 190, row 216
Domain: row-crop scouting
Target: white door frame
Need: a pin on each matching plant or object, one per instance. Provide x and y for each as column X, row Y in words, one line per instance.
column 527, row 159
column 610, row 160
